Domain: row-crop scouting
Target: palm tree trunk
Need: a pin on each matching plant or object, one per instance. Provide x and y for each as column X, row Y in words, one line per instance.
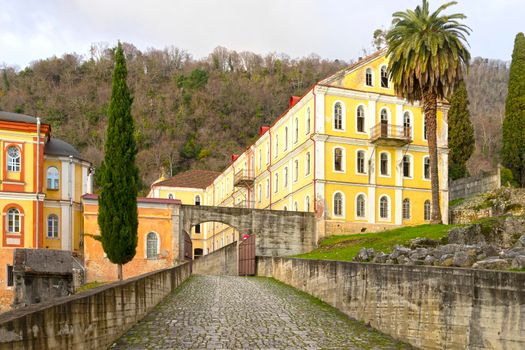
column 430, row 110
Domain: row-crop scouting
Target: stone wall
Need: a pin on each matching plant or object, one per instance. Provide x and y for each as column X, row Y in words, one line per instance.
column 428, row 307
column 89, row 320
column 470, row 186
column 223, row 261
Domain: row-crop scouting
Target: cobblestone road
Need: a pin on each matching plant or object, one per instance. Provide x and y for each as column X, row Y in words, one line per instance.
column 209, row 312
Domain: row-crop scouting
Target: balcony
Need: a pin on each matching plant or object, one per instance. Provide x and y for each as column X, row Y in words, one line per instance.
column 245, row 204
column 390, row 135
column 244, row 178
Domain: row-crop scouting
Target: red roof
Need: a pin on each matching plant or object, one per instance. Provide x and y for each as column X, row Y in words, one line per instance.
column 141, row 199
column 190, row 179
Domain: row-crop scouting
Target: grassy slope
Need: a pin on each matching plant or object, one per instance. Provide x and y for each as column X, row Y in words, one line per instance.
column 345, row 247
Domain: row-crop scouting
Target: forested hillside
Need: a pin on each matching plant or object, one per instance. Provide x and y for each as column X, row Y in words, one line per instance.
column 195, row 113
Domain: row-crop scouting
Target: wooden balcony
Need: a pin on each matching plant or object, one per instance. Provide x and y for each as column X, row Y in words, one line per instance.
column 390, row 135
column 243, row 178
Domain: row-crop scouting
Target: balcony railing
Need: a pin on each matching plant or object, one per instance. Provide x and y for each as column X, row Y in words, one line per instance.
column 244, row 178
column 390, row 135
column 244, row 204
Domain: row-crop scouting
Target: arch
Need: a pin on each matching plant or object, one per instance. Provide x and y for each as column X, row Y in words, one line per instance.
column 384, row 164
column 296, row 170
column 286, row 138
column 13, row 220
column 276, row 182
column 53, row 178
column 338, row 116
column 360, row 119
column 14, row 158
column 197, row 199
column 338, row 159
column 384, row 207
column 407, row 166
column 285, row 176
column 406, row 209
column 276, row 152
column 152, row 247
column 307, row 121
column 52, row 226
column 384, row 77
column 426, row 168
column 408, row 128
column 338, row 204
column 307, row 164
column 360, row 206
column 267, row 188
column 427, row 210
column 296, row 135
column 360, row 162
column 369, row 77
column 384, row 115
column 170, row 196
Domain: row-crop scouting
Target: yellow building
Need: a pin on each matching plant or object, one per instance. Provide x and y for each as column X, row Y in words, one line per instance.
column 349, row 150
column 42, row 180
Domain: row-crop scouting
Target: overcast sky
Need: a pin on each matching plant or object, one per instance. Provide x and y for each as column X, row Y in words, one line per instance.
column 34, row 29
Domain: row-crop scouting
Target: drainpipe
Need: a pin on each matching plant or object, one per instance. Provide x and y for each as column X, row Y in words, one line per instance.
column 37, row 190
column 70, row 194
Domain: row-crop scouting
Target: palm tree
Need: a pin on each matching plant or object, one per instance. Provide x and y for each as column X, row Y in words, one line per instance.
column 427, row 57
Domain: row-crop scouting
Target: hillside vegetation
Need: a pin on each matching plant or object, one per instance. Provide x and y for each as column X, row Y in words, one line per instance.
column 195, row 113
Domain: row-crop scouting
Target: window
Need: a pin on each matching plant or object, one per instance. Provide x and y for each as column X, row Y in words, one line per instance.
column 276, row 152
column 10, row 280
column 197, row 229
column 360, row 162
column 338, row 116
column 260, row 158
column 13, row 159
column 308, row 120
column 197, row 200
column 383, row 207
column 295, row 206
column 285, row 138
column 360, row 119
column 52, row 226
column 407, row 124
column 406, row 166
column 384, row 77
column 152, row 246
column 296, row 130
column 52, row 178
column 170, row 196
column 338, row 159
column 338, row 204
column 360, row 206
column 426, row 168
column 426, row 210
column 260, row 193
column 267, row 188
column 406, row 208
column 268, row 153
column 383, row 160
column 307, row 165
column 13, row 220
column 384, row 116
column 307, row 204
column 369, row 79
column 276, row 183
column 285, row 208
column 296, row 173
column 285, row 176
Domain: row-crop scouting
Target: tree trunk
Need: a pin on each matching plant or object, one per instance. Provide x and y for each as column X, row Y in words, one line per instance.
column 430, row 110
column 119, row 271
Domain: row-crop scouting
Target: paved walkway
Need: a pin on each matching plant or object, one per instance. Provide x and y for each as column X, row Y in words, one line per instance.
column 209, row 312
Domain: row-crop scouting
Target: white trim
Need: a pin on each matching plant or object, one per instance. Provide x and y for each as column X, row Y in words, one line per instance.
column 423, row 169
column 296, row 130
column 295, row 171
column 411, row 117
column 381, row 77
column 307, row 163
column 343, row 116
column 343, row 205
column 389, row 164
column 364, row 162
column 372, row 205
column 388, row 115
column 195, row 199
column 411, row 170
column 146, row 245
column 373, row 76
column 357, row 217
column 409, row 208
column 362, row 105
column 66, row 237
column 343, row 160
column 389, row 211
column 58, row 227
column 307, row 204
column 308, row 121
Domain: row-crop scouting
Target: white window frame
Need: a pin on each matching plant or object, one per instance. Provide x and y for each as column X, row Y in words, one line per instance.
column 268, row 188
column 259, row 192
column 52, row 178
column 411, row 118
column 343, row 116
column 411, row 166
column 295, row 206
column 388, row 115
column 343, row 207
column 268, row 154
column 56, row 225
column 307, row 164
column 357, row 119
column 381, row 77
column 285, row 176
column 296, row 170
column 276, row 182
column 14, row 164
column 286, row 140
column 363, row 217
column 357, row 164
column 146, row 245
column 423, row 169
column 260, row 158
column 307, row 203
column 296, row 132
column 308, row 120
column 429, row 209
column 369, row 69
column 403, row 209
column 343, row 160
column 389, row 164
column 195, row 200
column 276, row 153
column 389, row 208
column 16, row 216
column 171, row 196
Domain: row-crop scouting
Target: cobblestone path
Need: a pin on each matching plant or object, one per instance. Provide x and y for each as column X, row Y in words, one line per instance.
column 210, row 312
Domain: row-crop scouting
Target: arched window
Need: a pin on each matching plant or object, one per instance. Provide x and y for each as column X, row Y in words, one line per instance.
column 170, row 195
column 285, row 138
column 360, row 160
column 52, row 178
column 285, row 176
column 407, row 124
column 52, row 226
column 268, row 153
column 197, row 200
column 13, row 159
column 426, row 210
column 295, row 206
column 152, row 246
column 267, row 188
column 338, row 159
column 296, row 137
column 383, row 207
column 406, row 166
column 259, row 193
column 307, row 204
column 384, row 116
column 426, row 168
column 369, row 77
column 360, row 119
column 338, row 116
column 285, row 208
column 338, row 204
column 307, row 165
column 406, row 208
column 384, row 77
column 296, row 173
column 276, row 152
column 260, row 158
column 383, row 160
column 276, row 183
column 308, row 121
column 13, row 220
column 360, row 206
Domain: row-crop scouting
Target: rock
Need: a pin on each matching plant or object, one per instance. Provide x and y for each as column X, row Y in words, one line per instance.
column 446, row 260
column 492, row 264
column 380, row 258
column 464, row 259
column 521, row 242
column 512, row 253
column 365, row 254
column 490, row 250
column 389, row 261
column 423, row 243
column 398, row 251
column 403, row 260
column 470, row 234
column 418, row 254
column 518, row 262
column 451, row 248
column 429, row 260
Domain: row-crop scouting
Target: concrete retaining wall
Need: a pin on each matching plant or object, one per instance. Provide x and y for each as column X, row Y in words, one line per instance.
column 223, row 261
column 428, row 307
column 469, row 186
column 90, row 320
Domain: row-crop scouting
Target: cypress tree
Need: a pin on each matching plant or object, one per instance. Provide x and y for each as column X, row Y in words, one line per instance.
column 513, row 149
column 117, row 218
column 461, row 133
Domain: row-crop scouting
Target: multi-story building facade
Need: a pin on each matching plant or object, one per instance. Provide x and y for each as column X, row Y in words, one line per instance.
column 42, row 181
column 349, row 150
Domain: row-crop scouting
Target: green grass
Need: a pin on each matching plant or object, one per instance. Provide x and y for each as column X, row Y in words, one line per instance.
column 346, row 247
column 89, row 286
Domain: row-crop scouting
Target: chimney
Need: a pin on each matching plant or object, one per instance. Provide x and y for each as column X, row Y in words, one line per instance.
column 294, row 100
column 234, row 157
column 263, row 129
